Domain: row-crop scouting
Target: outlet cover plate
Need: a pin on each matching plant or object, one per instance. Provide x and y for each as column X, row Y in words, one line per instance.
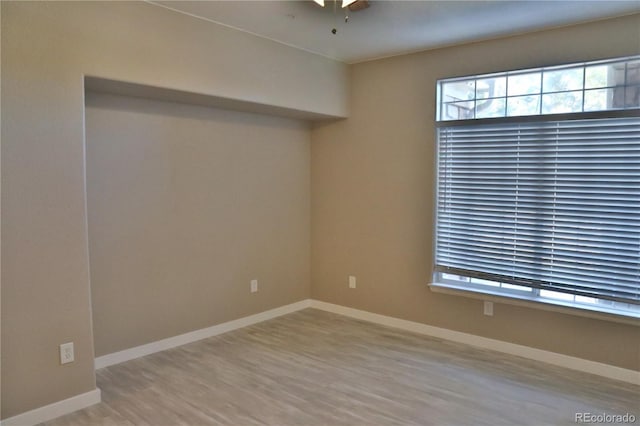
column 488, row 308
column 66, row 353
column 352, row 281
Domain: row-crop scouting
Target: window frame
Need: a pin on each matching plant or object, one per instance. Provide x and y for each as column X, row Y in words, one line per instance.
column 532, row 297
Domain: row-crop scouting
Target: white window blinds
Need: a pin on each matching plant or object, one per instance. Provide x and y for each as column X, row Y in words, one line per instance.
column 550, row 204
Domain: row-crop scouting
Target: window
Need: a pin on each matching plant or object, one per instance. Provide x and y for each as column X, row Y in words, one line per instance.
column 593, row 86
column 544, row 208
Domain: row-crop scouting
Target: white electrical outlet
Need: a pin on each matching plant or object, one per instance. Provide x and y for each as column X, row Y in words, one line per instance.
column 254, row 286
column 352, row 281
column 488, row 308
column 66, row 353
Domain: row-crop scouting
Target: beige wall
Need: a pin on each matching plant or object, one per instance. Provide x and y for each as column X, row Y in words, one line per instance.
column 186, row 205
column 46, row 49
column 373, row 193
column 371, row 176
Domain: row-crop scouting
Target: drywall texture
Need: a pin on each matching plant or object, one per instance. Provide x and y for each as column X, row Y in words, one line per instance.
column 47, row 47
column 186, row 205
column 373, row 193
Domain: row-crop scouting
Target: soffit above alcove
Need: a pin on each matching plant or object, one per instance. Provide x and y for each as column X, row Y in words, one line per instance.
column 139, row 90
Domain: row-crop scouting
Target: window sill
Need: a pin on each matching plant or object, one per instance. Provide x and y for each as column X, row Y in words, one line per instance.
column 597, row 312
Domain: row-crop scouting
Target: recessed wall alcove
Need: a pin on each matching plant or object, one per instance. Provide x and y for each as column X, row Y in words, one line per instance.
column 189, row 198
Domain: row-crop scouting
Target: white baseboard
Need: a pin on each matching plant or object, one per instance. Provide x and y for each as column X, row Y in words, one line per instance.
column 193, row 336
column 566, row 361
column 597, row 368
column 57, row 409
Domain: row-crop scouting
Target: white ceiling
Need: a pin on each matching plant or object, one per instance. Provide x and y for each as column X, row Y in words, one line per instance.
column 394, row 27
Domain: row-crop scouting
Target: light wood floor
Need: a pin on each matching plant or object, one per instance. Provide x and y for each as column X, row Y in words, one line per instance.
column 316, row 368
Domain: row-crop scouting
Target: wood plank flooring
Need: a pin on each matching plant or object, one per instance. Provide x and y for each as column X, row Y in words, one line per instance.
column 317, row 368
